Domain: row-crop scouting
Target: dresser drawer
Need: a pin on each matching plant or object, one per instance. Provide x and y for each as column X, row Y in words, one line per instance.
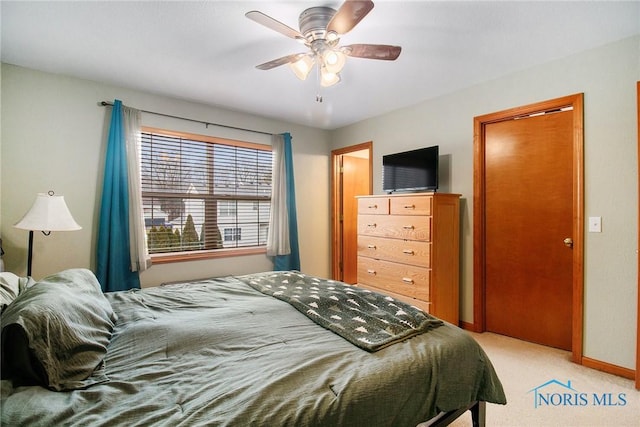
column 411, row 252
column 396, row 226
column 404, row 279
column 373, row 205
column 410, row 205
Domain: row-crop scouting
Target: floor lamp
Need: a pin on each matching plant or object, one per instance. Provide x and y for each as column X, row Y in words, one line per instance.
column 48, row 213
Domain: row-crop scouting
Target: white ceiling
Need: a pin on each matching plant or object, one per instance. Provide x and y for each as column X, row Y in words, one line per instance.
column 206, row 51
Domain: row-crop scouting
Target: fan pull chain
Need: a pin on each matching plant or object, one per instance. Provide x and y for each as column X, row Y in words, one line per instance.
column 319, row 86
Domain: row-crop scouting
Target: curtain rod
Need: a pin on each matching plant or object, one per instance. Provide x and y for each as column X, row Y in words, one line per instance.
column 105, row 103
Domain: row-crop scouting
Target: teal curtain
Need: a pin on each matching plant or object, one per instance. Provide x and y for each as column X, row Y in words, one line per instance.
column 289, row 261
column 113, row 259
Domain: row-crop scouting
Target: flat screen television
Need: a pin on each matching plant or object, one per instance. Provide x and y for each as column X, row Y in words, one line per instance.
column 415, row 170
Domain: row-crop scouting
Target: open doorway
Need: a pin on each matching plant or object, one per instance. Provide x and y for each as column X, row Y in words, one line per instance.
column 351, row 174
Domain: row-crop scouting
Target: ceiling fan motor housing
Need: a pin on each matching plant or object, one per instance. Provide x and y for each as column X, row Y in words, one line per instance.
column 313, row 22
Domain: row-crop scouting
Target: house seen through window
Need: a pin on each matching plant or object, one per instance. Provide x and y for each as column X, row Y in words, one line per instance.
column 204, row 194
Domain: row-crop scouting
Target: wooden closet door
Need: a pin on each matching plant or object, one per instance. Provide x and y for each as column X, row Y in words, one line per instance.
column 528, row 200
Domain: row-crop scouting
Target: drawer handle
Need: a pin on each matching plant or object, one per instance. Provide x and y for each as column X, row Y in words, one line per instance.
column 371, row 246
column 409, row 206
column 408, row 227
column 408, row 252
column 371, row 225
column 407, row 280
column 372, row 207
column 371, row 272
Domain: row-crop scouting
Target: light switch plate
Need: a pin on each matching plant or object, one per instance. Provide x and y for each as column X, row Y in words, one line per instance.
column 595, row 224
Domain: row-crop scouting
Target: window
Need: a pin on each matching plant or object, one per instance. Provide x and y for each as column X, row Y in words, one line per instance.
column 231, row 234
column 204, row 196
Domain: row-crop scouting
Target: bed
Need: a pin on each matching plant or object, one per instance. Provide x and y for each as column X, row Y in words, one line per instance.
column 232, row 351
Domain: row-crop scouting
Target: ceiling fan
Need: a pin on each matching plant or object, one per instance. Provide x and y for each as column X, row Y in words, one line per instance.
column 320, row 30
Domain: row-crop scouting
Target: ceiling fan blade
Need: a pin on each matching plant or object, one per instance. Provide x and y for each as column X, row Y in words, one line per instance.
column 280, row 61
column 373, row 51
column 274, row 24
column 350, row 13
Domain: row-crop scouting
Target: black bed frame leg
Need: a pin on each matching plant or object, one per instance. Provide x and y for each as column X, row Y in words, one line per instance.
column 479, row 414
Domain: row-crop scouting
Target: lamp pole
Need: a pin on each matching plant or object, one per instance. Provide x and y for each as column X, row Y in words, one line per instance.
column 30, row 253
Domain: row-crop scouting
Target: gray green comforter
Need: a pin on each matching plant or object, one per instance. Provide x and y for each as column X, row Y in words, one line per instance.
column 220, row 353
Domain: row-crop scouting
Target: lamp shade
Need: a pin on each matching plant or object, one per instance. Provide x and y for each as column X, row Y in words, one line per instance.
column 327, row 78
column 302, row 66
column 48, row 213
column 333, row 60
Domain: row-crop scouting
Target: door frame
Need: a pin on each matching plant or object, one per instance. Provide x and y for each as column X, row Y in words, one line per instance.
column 638, row 273
column 336, row 199
column 479, row 261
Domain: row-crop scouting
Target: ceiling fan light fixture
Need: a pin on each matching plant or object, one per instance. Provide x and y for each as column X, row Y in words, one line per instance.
column 332, row 36
column 333, row 60
column 328, row 78
column 302, row 67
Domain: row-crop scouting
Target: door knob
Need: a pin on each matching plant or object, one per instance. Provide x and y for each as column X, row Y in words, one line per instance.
column 568, row 242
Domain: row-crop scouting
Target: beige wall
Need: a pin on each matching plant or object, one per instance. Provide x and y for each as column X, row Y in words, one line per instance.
column 607, row 76
column 53, row 138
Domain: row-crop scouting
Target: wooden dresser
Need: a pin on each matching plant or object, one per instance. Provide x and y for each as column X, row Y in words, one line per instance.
column 408, row 248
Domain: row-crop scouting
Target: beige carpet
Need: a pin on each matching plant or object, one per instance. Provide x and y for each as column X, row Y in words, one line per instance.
column 593, row 399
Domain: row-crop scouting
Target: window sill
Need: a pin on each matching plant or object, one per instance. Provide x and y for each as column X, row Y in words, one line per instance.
column 202, row 255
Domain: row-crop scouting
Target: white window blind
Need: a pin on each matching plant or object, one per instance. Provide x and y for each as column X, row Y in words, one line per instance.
column 196, row 188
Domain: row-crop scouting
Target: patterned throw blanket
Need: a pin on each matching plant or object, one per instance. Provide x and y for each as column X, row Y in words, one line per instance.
column 367, row 319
